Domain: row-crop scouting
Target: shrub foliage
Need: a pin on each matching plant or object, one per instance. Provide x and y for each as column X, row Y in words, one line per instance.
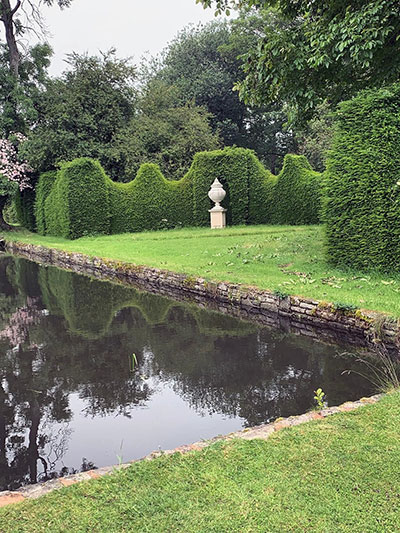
column 297, row 193
column 43, row 190
column 83, row 200
column 363, row 195
column 24, row 206
column 78, row 203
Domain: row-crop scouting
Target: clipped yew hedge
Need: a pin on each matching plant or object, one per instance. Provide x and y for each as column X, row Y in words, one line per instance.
column 297, row 193
column 150, row 202
column 362, row 209
column 83, row 200
column 78, row 204
column 43, row 189
column 24, row 206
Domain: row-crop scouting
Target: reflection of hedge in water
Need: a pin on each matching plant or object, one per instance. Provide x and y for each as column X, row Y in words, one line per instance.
column 25, row 277
column 89, row 306
column 256, row 374
column 7, row 275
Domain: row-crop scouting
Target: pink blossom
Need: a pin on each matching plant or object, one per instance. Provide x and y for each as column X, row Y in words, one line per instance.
column 10, row 167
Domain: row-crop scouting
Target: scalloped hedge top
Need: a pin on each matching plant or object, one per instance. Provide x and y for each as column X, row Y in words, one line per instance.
column 80, row 199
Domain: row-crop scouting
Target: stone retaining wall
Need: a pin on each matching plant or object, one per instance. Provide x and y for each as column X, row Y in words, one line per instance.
column 302, row 316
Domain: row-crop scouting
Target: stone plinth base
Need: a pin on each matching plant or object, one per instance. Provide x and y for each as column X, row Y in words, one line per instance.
column 217, row 217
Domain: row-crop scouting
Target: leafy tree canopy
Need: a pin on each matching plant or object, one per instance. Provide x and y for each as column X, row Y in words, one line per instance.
column 204, row 63
column 81, row 112
column 312, row 50
column 165, row 131
column 18, row 101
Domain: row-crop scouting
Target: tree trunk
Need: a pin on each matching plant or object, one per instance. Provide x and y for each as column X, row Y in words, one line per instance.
column 6, row 16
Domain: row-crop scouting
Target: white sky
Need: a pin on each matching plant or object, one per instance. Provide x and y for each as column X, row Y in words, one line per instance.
column 133, row 27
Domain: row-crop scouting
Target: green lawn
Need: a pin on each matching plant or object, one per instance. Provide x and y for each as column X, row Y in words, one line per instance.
column 340, row 474
column 289, row 259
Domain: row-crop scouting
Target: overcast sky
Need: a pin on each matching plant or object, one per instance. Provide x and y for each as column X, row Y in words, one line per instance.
column 133, row 27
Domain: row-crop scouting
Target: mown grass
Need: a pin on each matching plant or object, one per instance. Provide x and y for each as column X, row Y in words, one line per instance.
column 288, row 259
column 337, row 475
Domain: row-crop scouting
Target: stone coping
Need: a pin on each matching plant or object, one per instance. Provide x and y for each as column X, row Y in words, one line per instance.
column 262, row 432
column 303, row 316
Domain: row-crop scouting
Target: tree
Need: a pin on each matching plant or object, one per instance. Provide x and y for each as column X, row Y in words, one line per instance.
column 81, row 113
column 319, row 50
column 203, row 63
column 202, row 73
column 24, row 16
column 316, row 139
column 18, row 101
column 165, row 131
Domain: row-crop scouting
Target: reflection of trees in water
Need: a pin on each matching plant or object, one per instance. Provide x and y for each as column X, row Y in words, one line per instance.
column 257, row 377
column 72, row 334
column 19, row 323
column 30, row 404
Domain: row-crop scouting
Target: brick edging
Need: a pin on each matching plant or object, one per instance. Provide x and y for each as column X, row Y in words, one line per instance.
column 259, row 432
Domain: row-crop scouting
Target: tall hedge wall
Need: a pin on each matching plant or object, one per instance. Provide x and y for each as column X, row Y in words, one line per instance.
column 84, row 201
column 78, row 203
column 43, row 189
column 362, row 185
column 150, row 202
column 24, row 205
column 297, row 193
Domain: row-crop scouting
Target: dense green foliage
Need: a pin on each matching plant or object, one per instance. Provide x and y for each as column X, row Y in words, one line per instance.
column 80, row 113
column 165, row 131
column 363, row 205
column 43, row 189
column 95, row 110
column 25, row 208
column 309, row 51
column 84, row 201
column 297, row 193
column 78, row 203
column 19, row 100
column 315, row 140
column 150, row 201
column 203, row 64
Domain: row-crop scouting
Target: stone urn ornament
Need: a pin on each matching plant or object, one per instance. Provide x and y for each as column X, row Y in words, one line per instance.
column 217, row 213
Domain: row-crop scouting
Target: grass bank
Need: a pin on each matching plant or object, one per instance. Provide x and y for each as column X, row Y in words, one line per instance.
column 288, row 259
column 340, row 474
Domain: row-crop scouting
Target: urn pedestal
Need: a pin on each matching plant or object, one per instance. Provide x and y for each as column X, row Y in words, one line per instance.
column 217, row 213
column 217, row 217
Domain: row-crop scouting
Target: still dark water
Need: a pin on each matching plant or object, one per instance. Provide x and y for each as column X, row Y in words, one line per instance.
column 71, row 397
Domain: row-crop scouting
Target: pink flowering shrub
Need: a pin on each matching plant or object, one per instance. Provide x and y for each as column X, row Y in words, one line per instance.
column 11, row 169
